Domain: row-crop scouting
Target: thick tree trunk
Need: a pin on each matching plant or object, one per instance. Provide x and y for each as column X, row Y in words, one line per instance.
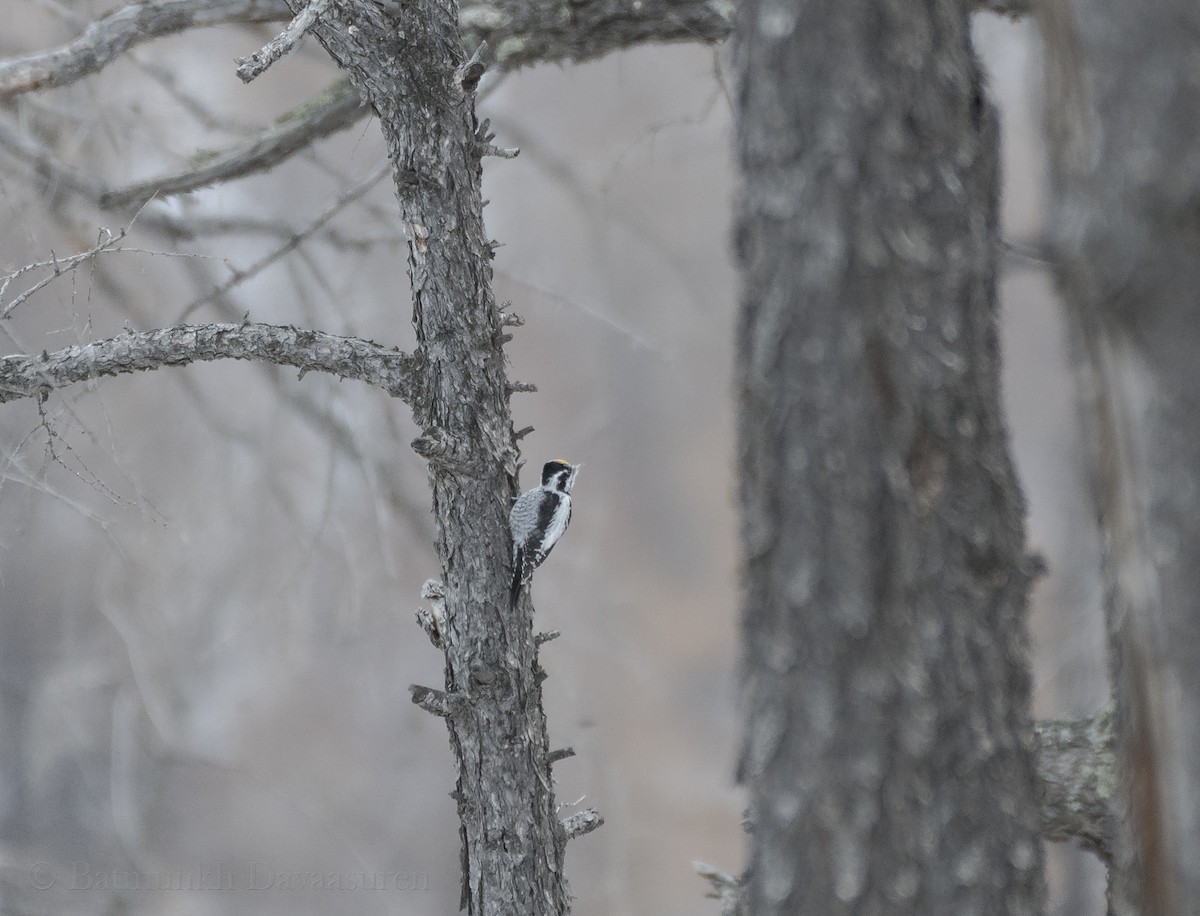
column 408, row 62
column 888, row 746
column 1124, row 118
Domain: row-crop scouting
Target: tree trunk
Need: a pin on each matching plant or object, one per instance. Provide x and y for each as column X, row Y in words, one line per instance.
column 408, row 62
column 887, row 750
column 1124, row 120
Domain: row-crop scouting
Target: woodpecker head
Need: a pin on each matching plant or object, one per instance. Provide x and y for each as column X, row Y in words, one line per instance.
column 559, row 475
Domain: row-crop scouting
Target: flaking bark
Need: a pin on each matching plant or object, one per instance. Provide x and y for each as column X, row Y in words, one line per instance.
column 887, row 749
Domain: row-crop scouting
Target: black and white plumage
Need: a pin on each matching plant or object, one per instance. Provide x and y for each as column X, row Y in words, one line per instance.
column 538, row 519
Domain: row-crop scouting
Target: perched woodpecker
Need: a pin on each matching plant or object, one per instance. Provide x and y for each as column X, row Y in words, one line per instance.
column 538, row 519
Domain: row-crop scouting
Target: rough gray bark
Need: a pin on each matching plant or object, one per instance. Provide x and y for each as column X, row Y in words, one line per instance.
column 254, row 65
column 1124, row 118
column 397, row 373
column 1077, row 781
column 408, row 63
column 887, row 750
column 524, row 33
column 335, row 109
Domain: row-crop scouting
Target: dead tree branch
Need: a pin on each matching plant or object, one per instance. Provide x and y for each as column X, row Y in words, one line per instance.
column 57, row 267
column 335, row 109
column 582, row 823
column 729, row 889
column 255, row 64
column 109, row 36
column 345, row 199
column 396, row 373
column 1077, row 779
column 521, row 33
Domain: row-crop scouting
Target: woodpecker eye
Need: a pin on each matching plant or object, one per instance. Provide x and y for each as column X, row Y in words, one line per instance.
column 552, row 470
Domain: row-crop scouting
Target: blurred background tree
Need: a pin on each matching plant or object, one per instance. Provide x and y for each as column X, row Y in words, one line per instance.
column 888, row 747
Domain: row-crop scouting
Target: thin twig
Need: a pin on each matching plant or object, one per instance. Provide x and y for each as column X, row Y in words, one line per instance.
column 344, row 200
column 108, row 241
column 522, row 33
column 42, row 161
column 729, row 889
column 91, row 480
column 257, row 63
column 337, row 108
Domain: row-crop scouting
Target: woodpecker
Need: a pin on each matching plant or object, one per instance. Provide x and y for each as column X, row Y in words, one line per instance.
column 538, row 519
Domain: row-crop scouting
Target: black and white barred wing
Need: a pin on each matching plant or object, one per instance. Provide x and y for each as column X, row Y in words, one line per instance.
column 538, row 519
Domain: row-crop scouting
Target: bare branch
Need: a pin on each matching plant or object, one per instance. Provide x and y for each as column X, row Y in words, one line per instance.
column 329, row 112
column 1077, row 770
column 517, row 30
column 109, row 36
column 257, row 63
column 58, row 267
column 729, row 889
column 344, row 200
column 435, row 702
column 396, row 373
column 581, row 823
column 335, row 109
column 521, row 33
column 525, row 33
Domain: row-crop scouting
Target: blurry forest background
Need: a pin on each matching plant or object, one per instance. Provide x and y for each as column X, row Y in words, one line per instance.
column 208, row 575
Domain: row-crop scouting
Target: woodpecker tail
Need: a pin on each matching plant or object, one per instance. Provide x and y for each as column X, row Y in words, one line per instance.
column 517, row 583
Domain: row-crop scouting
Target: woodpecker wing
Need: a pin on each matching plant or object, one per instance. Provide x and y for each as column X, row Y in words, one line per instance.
column 553, row 517
column 539, row 518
